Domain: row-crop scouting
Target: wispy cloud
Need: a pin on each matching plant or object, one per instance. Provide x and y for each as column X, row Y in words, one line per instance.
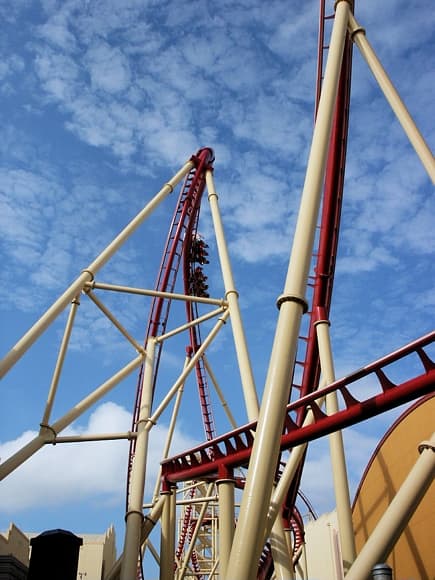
column 102, row 101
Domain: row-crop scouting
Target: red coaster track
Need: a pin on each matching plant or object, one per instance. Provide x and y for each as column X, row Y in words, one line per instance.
column 178, row 244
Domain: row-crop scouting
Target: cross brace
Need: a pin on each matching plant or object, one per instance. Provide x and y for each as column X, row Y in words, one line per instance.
column 216, row 457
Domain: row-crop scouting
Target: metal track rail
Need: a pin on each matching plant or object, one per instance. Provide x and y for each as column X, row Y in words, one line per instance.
column 233, row 449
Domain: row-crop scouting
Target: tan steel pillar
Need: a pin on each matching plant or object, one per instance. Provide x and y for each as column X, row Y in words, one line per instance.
column 134, row 516
column 287, row 475
column 338, row 462
column 220, row 394
column 150, row 521
column 282, row 559
column 189, row 367
column 173, row 522
column 226, row 521
column 397, row 515
column 392, row 96
column 171, row 430
column 60, row 360
column 88, row 274
column 303, row 563
column 167, row 539
column 48, row 433
column 232, row 296
column 248, row 541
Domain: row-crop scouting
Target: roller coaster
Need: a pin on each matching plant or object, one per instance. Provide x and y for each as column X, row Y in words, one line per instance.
column 228, row 507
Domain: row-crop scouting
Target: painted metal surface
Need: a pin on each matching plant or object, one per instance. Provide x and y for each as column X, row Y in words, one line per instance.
column 233, row 449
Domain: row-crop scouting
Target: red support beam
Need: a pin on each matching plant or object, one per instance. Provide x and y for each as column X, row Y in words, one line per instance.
column 234, row 448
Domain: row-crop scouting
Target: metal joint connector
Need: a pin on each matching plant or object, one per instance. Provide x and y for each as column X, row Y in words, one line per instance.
column 90, row 273
column 167, row 184
column 45, row 427
column 131, row 512
column 338, row 2
column 426, row 445
column 233, row 291
column 145, row 421
column 354, row 28
column 89, row 286
column 150, row 520
column 357, row 30
column 324, row 321
column 291, row 298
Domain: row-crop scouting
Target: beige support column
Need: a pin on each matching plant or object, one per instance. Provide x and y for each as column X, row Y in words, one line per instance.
column 287, row 475
column 134, row 516
column 338, row 462
column 60, row 360
column 282, row 559
column 303, row 563
column 226, row 521
column 397, row 515
column 88, row 274
column 171, row 430
column 248, row 541
column 190, row 366
column 220, row 394
column 167, row 538
column 150, row 521
column 392, row 96
column 173, row 522
column 232, row 296
column 48, row 433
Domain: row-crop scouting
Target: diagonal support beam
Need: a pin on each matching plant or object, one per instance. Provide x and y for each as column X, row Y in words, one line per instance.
column 417, row 141
column 247, row 543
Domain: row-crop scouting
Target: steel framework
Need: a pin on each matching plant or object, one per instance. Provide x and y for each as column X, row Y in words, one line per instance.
column 263, row 536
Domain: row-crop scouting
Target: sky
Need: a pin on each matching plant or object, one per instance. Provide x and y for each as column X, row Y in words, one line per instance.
column 101, row 103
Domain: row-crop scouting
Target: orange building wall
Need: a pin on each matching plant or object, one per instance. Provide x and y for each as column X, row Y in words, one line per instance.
column 413, row 557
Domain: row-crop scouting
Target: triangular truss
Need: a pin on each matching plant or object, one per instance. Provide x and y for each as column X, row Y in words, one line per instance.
column 208, row 512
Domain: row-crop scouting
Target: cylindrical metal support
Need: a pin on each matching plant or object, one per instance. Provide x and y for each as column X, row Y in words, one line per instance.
column 382, row 572
column 167, row 540
column 147, row 527
column 282, row 559
column 49, row 432
column 189, row 367
column 134, row 516
column 60, row 361
column 171, row 430
column 247, row 376
column 226, row 521
column 397, row 515
column 248, row 540
column 88, row 274
column 392, row 96
column 338, row 462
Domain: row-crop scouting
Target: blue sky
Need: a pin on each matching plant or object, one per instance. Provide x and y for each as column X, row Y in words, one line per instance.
column 102, row 102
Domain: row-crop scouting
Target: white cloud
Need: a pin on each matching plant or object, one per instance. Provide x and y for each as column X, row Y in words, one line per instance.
column 260, row 245
column 108, row 67
column 117, row 91
column 59, row 74
column 56, row 31
column 76, row 472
